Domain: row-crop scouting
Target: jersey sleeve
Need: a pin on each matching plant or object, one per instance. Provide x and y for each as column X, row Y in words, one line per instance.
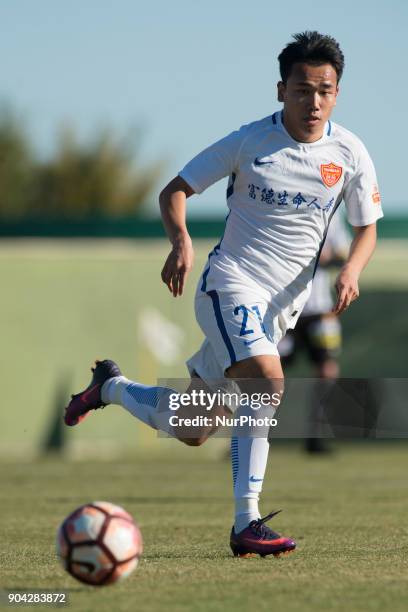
column 361, row 195
column 214, row 163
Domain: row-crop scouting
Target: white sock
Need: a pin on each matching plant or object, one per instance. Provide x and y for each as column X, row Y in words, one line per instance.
column 148, row 404
column 249, row 458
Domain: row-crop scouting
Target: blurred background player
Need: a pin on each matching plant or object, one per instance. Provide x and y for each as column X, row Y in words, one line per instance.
column 318, row 330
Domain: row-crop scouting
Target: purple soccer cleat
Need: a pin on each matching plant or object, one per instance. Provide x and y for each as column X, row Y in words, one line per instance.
column 90, row 398
column 257, row 539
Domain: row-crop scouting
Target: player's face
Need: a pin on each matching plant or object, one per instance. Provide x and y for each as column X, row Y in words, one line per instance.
column 308, row 97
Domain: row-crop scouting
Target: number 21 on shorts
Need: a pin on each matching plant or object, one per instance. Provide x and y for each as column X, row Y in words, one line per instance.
column 248, row 311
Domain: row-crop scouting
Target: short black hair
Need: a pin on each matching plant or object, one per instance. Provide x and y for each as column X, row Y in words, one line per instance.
column 311, row 48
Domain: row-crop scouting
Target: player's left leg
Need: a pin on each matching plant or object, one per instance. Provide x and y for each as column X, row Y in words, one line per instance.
column 249, row 453
column 242, row 332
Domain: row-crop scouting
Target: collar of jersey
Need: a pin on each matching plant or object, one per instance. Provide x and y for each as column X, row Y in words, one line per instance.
column 277, row 120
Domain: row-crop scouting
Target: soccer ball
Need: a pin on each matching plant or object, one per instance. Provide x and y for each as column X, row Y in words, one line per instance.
column 99, row 543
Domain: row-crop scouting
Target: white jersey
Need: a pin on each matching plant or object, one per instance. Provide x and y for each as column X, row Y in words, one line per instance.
column 281, row 195
column 338, row 241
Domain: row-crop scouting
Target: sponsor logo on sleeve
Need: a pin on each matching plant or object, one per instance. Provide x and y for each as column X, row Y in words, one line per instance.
column 331, row 174
column 376, row 195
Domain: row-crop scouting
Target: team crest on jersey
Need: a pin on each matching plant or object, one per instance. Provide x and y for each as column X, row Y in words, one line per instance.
column 331, row 174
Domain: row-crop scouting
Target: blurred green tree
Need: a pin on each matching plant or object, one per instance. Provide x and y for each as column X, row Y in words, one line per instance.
column 102, row 178
column 16, row 166
column 98, row 179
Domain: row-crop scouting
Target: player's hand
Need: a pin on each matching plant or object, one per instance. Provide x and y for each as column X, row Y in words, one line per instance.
column 178, row 265
column 347, row 290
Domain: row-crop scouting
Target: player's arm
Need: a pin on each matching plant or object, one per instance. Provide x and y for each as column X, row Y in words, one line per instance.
column 363, row 206
column 205, row 169
column 361, row 250
column 173, row 212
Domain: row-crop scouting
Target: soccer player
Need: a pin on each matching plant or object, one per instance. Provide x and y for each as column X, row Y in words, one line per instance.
column 288, row 174
column 318, row 330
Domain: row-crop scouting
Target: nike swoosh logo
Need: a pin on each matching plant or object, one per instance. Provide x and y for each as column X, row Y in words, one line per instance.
column 258, row 162
column 274, row 542
column 253, row 479
column 248, row 342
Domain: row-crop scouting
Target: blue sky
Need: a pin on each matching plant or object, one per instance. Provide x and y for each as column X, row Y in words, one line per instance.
column 188, row 73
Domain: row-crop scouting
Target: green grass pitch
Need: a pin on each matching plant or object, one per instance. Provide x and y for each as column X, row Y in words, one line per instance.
column 347, row 513
column 65, row 303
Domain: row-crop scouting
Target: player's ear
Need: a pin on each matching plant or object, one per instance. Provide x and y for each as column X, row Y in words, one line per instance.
column 281, row 90
column 337, row 93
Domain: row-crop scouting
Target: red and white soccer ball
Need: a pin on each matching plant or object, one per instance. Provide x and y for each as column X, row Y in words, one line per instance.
column 99, row 544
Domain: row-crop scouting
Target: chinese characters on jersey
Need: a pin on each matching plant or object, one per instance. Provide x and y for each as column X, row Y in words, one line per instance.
column 282, row 198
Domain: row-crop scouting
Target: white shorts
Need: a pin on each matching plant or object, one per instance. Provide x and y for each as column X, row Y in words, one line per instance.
column 236, row 326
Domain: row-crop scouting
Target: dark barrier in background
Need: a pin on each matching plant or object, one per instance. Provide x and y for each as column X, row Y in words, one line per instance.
column 391, row 227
